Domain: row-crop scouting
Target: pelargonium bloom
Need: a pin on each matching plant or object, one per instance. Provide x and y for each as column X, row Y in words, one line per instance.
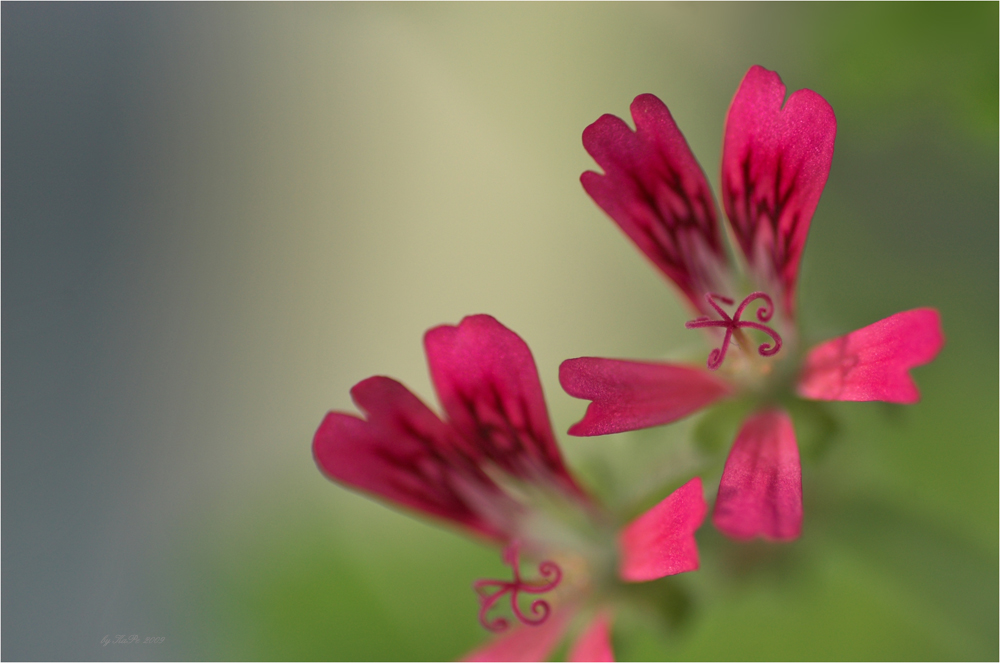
column 775, row 162
column 491, row 466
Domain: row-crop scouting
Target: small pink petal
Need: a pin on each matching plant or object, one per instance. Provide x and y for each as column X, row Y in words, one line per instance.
column 872, row 363
column 486, row 379
column 761, row 489
column 775, row 161
column 594, row 644
column 661, row 541
column 402, row 453
column 629, row 395
column 524, row 642
column 656, row 192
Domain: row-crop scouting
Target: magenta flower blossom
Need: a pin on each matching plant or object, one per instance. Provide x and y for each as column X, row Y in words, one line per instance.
column 775, row 162
column 491, row 466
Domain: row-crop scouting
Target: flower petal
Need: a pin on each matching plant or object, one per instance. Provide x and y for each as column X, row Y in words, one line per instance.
column 486, row 379
column 629, row 395
column 403, row 453
column 657, row 193
column 661, row 541
column 594, row 644
column 524, row 642
column 775, row 162
column 872, row 363
column 761, row 489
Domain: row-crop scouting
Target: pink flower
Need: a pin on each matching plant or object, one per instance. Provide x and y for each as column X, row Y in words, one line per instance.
column 491, row 466
column 775, row 162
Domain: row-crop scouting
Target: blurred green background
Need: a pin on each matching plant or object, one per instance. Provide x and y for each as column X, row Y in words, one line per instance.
column 217, row 218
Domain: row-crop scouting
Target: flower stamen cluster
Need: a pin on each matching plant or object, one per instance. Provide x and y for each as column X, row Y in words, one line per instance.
column 734, row 324
column 491, row 591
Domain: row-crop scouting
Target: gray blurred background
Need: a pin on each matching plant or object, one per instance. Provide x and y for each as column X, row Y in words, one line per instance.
column 217, row 218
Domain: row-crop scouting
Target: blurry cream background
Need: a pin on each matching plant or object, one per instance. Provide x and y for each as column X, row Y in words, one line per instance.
column 218, row 218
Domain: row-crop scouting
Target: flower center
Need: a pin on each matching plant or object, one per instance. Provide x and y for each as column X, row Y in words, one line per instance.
column 734, row 324
column 491, row 591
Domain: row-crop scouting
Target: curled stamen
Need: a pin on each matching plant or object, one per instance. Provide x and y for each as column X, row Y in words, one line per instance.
column 764, row 313
column 490, row 591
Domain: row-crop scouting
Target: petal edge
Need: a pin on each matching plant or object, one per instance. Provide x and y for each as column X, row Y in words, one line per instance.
column 630, row 395
column 523, row 642
column 594, row 643
column 661, row 541
column 775, row 161
column 656, row 192
column 760, row 493
column 401, row 452
column 873, row 363
column 486, row 379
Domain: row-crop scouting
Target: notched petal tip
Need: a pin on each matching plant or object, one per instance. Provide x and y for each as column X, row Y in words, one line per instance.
column 760, row 493
column 488, row 385
column 776, row 159
column 656, row 192
column 401, row 452
column 608, row 139
column 343, row 442
column 661, row 541
column 326, row 435
column 630, row 395
column 480, row 368
column 873, row 363
column 648, row 110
